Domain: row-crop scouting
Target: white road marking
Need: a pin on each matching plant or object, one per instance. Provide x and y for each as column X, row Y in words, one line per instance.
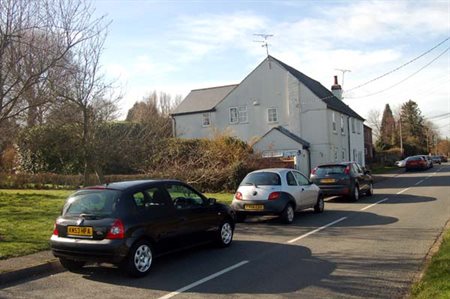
column 316, row 230
column 419, row 182
column 400, row 192
column 201, row 281
column 369, row 206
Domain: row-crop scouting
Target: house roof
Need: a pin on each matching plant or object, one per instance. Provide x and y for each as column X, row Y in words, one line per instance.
column 289, row 134
column 319, row 90
column 203, row 100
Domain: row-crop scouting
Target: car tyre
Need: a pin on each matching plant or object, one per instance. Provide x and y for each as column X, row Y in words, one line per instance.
column 71, row 265
column 355, row 194
column 224, row 235
column 320, row 205
column 370, row 190
column 288, row 214
column 139, row 260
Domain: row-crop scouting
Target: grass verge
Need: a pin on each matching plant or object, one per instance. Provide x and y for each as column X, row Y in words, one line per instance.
column 27, row 218
column 436, row 281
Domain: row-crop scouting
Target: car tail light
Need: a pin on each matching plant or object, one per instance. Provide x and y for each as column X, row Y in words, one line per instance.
column 313, row 171
column 55, row 230
column 238, row 196
column 274, row 195
column 347, row 169
column 117, row 231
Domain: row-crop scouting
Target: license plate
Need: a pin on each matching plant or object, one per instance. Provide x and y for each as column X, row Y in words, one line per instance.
column 254, row 207
column 327, row 180
column 82, row 231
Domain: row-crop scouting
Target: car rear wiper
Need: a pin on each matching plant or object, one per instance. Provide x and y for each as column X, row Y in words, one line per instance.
column 92, row 216
column 253, row 184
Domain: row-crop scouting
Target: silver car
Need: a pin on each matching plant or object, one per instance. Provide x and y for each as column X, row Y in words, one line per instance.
column 278, row 191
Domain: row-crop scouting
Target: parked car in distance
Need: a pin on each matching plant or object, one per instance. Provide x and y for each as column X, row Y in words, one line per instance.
column 401, row 163
column 429, row 161
column 345, row 179
column 278, row 191
column 417, row 162
column 130, row 223
column 436, row 159
column 443, row 158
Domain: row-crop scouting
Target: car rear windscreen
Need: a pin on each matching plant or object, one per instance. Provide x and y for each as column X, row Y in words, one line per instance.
column 262, row 178
column 100, row 203
column 330, row 169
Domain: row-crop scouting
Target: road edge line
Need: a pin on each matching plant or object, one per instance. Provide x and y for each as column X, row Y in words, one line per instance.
column 316, row 230
column 374, row 204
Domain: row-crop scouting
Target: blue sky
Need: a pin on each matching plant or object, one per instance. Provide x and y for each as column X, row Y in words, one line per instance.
column 177, row 46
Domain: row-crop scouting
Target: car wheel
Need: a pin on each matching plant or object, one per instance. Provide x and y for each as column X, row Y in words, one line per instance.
column 240, row 217
column 370, row 191
column 139, row 259
column 355, row 194
column 225, row 234
column 288, row 214
column 71, row 265
column 320, row 205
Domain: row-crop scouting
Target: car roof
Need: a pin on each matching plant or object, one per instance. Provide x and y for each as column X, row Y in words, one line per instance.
column 128, row 184
column 277, row 170
column 335, row 164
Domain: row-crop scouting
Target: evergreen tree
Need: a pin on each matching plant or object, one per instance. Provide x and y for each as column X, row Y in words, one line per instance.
column 388, row 132
column 413, row 128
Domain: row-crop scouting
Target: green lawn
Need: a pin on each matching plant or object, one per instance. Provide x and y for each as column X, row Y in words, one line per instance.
column 436, row 281
column 27, row 218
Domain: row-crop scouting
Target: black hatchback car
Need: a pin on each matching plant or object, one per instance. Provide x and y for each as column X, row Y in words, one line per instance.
column 346, row 179
column 129, row 223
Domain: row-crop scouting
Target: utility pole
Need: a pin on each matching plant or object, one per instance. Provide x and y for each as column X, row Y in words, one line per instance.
column 343, row 74
column 401, row 137
column 264, row 42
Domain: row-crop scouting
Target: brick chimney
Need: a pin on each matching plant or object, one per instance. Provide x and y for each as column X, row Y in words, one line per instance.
column 336, row 89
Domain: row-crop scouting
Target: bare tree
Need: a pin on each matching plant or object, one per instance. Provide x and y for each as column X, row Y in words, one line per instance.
column 36, row 36
column 374, row 121
column 82, row 85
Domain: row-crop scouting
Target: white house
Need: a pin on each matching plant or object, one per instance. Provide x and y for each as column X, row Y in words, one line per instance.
column 279, row 110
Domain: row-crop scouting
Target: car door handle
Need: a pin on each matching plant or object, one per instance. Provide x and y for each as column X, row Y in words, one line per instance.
column 303, row 189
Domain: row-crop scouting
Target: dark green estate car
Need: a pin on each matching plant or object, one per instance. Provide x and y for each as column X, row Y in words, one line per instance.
column 347, row 179
column 129, row 223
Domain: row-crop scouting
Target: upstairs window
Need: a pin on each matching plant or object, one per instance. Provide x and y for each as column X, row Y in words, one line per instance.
column 353, row 125
column 206, row 122
column 234, row 115
column 358, row 127
column 243, row 116
column 342, row 125
column 272, row 115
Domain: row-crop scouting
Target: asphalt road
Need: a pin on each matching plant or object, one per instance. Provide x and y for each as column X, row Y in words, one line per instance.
column 371, row 249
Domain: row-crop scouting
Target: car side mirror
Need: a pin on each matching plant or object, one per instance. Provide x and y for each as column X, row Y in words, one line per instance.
column 212, row 201
column 366, row 171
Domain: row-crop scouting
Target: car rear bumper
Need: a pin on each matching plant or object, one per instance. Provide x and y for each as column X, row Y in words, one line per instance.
column 269, row 206
column 328, row 190
column 110, row 251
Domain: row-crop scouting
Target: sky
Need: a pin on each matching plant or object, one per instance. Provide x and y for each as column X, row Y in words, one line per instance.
column 177, row 46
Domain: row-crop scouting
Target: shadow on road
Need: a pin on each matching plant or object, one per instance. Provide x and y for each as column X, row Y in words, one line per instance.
column 393, row 199
column 266, row 272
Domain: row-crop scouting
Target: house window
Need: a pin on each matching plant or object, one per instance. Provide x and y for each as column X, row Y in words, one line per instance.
column 342, row 124
column 243, row 116
column 206, row 120
column 272, row 115
column 334, row 121
column 358, row 127
column 343, row 155
column 335, row 155
column 234, row 115
column 354, row 155
column 353, row 125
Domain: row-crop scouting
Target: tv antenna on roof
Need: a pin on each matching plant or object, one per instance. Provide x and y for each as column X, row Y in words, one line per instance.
column 264, row 42
column 343, row 74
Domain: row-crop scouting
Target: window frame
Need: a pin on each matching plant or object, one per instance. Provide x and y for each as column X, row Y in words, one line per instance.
column 241, row 111
column 342, row 125
column 269, row 115
column 206, row 115
column 230, row 115
column 334, row 125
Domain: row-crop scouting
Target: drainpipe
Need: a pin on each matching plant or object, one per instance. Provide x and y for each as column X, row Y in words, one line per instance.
column 348, row 130
column 174, row 126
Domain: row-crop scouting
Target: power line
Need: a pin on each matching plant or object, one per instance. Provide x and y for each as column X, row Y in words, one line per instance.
column 397, row 68
column 438, row 116
column 401, row 81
